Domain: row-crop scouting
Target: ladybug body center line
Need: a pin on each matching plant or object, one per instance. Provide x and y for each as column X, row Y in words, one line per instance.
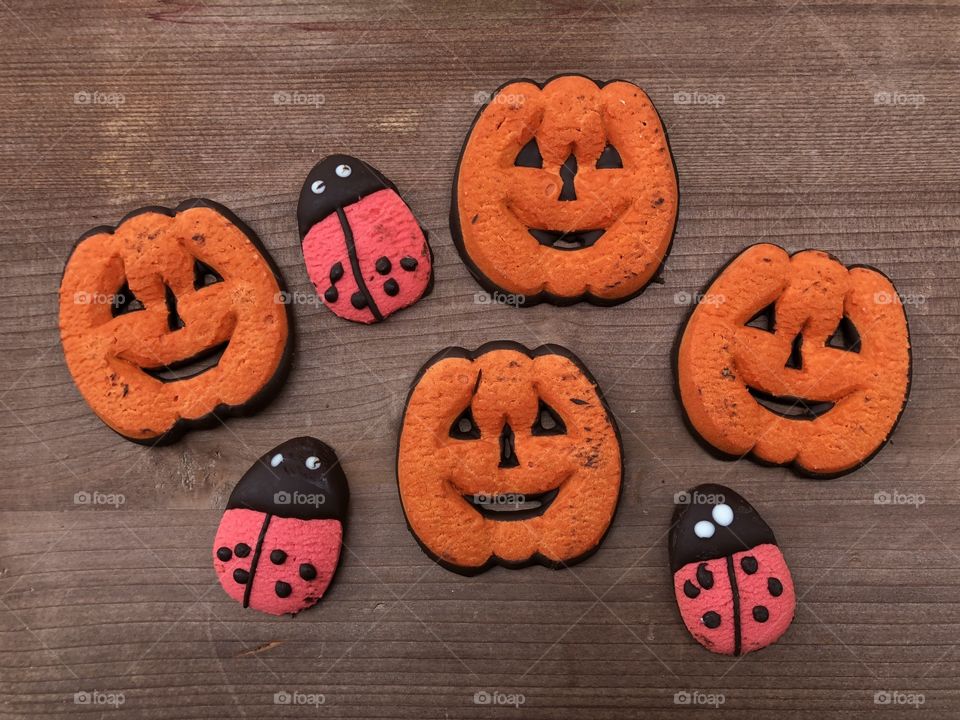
column 735, row 591
column 256, row 559
column 355, row 264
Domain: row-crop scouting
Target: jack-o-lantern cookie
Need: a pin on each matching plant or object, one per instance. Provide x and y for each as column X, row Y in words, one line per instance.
column 508, row 456
column 565, row 192
column 173, row 320
column 795, row 360
column 365, row 252
column 731, row 582
column 278, row 544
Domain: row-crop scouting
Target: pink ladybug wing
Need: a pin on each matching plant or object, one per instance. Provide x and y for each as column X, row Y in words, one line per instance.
column 233, row 549
column 767, row 597
column 391, row 250
column 705, row 599
column 328, row 265
column 297, row 562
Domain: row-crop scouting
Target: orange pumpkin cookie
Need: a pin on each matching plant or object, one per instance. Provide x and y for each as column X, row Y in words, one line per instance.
column 565, row 192
column 508, row 456
column 173, row 320
column 796, row 360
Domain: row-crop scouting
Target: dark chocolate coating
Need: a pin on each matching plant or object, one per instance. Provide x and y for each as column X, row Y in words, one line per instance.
column 746, row 531
column 287, row 489
column 338, row 191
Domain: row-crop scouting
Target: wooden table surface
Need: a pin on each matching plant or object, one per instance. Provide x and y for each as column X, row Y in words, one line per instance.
column 808, row 124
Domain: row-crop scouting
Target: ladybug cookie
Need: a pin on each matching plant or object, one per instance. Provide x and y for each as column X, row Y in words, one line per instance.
column 365, row 252
column 278, row 544
column 732, row 584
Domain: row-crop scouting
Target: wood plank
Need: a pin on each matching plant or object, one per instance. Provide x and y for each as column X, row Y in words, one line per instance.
column 800, row 151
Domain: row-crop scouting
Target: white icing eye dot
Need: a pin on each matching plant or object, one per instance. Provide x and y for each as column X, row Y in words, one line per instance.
column 723, row 514
column 344, row 171
column 313, row 462
column 318, row 187
column 276, row 460
column 704, row 529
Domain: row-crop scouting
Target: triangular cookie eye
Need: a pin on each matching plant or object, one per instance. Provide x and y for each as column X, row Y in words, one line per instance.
column 204, row 275
column 548, row 422
column 529, row 156
column 845, row 337
column 765, row 320
column 465, row 427
column 609, row 159
column 124, row 301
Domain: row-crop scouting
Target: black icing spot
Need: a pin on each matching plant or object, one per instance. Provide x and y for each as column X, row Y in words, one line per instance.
column 690, row 590
column 774, row 587
column 408, row 263
column 331, row 294
column 711, row 620
column 241, row 550
column 282, row 589
column 308, row 571
column 224, row 553
column 241, row 576
column 704, row 576
column 761, row 614
column 278, row 557
column 749, row 564
column 336, row 272
column 391, row 287
column 384, row 265
column 358, row 300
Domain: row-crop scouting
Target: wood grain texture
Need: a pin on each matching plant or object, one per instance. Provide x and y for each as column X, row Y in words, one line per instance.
column 792, row 146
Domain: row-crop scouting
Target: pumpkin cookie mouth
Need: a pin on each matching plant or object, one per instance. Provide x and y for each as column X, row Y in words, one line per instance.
column 567, row 241
column 791, row 408
column 512, row 506
column 190, row 368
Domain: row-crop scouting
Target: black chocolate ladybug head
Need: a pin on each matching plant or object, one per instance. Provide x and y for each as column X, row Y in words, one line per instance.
column 713, row 521
column 335, row 182
column 301, row 479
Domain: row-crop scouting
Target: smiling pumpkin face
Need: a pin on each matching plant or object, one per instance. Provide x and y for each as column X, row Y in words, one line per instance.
column 508, row 456
column 796, row 359
column 565, row 193
column 172, row 317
